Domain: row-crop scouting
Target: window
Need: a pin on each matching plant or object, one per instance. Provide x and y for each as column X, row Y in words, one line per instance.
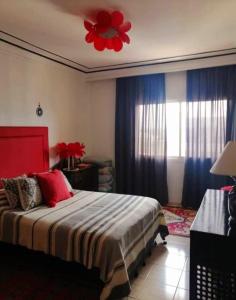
column 175, row 114
column 176, row 128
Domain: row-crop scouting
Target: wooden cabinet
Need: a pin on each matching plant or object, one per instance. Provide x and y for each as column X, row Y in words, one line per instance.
column 84, row 178
column 212, row 251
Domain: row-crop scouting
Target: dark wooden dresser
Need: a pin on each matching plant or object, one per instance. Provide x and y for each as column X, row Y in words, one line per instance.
column 84, row 178
column 212, row 251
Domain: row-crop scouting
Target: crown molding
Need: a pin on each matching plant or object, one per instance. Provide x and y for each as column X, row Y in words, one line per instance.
column 177, row 66
column 168, row 64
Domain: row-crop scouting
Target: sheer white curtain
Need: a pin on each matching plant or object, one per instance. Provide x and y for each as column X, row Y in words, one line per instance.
column 150, row 130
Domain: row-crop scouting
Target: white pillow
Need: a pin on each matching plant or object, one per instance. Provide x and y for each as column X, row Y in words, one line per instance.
column 70, row 189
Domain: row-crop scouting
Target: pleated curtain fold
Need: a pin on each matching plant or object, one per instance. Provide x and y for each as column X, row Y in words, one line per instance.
column 210, row 123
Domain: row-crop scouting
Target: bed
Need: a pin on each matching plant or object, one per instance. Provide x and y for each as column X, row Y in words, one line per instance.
column 109, row 232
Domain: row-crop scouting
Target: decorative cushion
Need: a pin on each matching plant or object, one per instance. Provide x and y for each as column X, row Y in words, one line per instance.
column 2, row 194
column 53, row 187
column 3, row 198
column 11, row 190
column 29, row 192
column 70, row 189
column 105, row 171
column 105, row 179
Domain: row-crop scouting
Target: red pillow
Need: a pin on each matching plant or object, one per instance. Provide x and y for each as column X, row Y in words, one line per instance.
column 53, row 187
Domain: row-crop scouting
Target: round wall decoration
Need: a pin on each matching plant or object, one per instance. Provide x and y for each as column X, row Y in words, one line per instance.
column 39, row 111
column 108, row 31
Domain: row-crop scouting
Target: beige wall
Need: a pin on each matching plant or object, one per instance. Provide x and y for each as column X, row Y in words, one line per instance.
column 26, row 79
column 102, row 98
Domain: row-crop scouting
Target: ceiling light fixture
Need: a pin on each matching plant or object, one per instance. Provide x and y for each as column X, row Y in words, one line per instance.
column 109, row 31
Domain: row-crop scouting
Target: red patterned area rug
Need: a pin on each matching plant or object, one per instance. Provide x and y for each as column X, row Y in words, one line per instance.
column 179, row 220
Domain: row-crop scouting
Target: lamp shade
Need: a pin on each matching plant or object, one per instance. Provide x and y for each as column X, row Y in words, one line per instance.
column 226, row 163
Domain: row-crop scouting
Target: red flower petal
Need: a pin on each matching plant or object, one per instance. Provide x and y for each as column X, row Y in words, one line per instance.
column 88, row 25
column 89, row 38
column 99, row 43
column 100, row 28
column 104, row 18
column 124, row 37
column 62, row 150
column 117, row 18
column 125, row 27
column 79, row 149
column 117, row 44
column 71, row 149
column 109, row 44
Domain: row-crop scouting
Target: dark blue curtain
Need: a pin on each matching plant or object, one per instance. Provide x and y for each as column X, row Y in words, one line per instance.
column 211, row 110
column 140, row 137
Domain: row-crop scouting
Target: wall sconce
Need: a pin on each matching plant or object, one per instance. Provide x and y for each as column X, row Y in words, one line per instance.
column 39, row 111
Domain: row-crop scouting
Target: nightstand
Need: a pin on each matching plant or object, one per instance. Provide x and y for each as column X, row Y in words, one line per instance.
column 84, row 178
column 212, row 251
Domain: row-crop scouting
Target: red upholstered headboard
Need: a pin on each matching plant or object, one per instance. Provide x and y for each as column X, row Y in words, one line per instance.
column 23, row 150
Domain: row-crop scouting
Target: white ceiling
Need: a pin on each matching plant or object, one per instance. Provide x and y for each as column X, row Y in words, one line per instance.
column 162, row 30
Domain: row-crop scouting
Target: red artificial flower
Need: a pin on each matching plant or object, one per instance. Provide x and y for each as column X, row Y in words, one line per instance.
column 79, row 150
column 62, row 150
column 109, row 31
column 72, row 149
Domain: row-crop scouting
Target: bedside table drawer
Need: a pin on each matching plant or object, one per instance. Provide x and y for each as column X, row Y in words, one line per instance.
column 76, row 181
column 83, row 179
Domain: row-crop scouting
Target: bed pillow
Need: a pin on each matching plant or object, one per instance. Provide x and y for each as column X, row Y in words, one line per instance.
column 66, row 180
column 11, row 190
column 29, row 192
column 53, row 187
column 70, row 189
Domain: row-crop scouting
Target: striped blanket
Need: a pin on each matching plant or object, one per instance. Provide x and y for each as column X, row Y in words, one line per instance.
column 106, row 231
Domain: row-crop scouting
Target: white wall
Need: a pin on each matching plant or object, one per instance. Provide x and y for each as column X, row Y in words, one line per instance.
column 102, row 98
column 26, row 79
column 102, row 95
column 175, row 92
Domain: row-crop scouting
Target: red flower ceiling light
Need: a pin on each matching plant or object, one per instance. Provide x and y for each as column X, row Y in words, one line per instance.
column 109, row 31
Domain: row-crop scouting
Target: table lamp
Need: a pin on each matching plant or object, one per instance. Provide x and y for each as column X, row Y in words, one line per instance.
column 226, row 165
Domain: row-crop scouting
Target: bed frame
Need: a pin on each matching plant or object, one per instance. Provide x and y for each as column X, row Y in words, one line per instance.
column 25, row 150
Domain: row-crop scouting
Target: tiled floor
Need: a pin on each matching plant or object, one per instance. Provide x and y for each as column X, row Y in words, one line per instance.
column 166, row 274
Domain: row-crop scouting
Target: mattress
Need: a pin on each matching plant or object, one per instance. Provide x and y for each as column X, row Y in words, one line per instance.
column 97, row 230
